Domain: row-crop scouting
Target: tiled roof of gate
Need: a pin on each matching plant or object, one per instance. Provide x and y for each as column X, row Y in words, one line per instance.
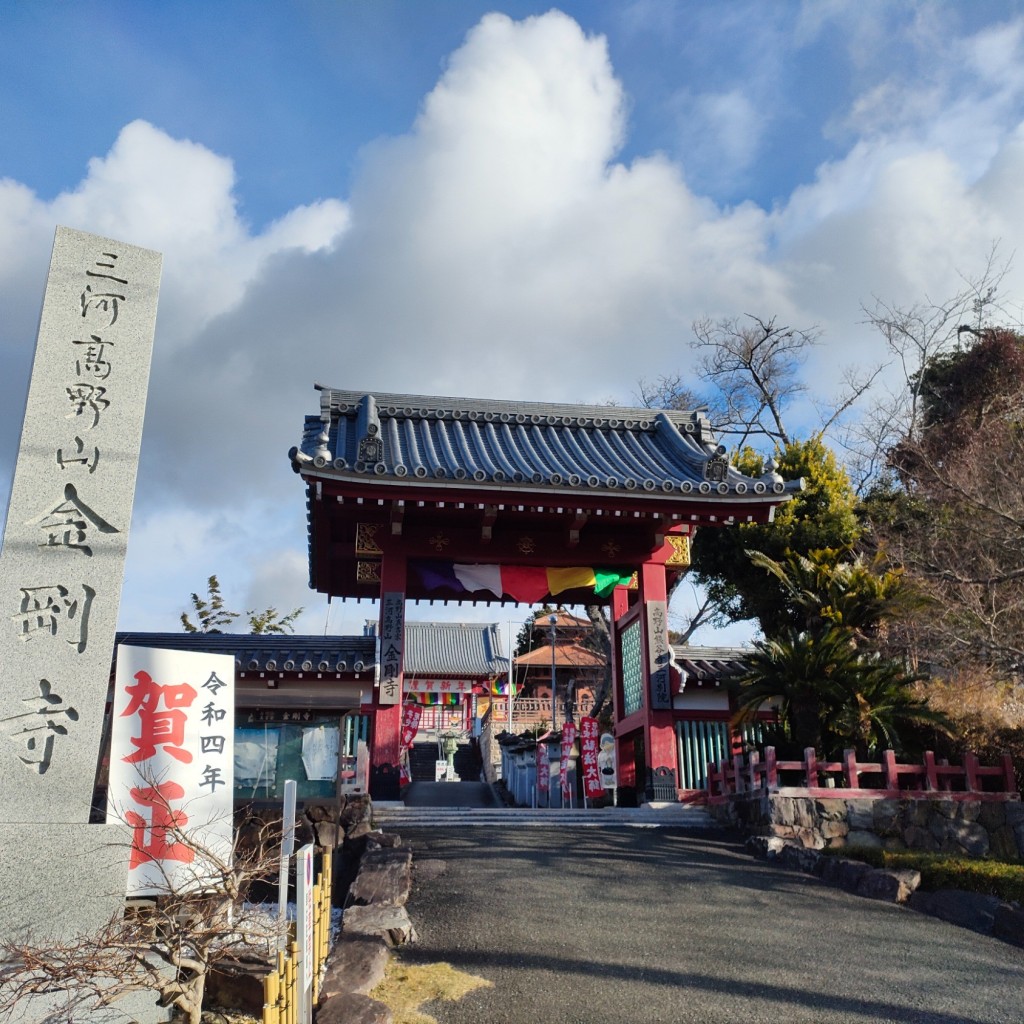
column 269, row 652
column 525, row 445
column 453, row 649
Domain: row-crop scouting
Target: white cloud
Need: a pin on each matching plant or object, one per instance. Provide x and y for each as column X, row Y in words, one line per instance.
column 719, row 134
column 498, row 249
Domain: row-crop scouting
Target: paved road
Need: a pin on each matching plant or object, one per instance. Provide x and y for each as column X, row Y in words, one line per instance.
column 656, row 925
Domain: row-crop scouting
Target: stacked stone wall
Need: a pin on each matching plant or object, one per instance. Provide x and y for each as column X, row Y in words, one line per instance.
column 975, row 828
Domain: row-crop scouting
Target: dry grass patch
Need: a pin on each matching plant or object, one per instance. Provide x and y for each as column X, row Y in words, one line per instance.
column 406, row 988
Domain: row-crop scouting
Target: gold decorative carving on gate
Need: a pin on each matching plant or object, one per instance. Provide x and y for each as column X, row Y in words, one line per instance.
column 680, row 550
column 366, row 539
column 367, row 572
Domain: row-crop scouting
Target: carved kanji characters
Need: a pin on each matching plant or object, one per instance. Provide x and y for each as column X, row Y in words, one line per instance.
column 80, row 456
column 36, row 728
column 55, row 611
column 106, row 304
column 212, row 778
column 87, row 401
column 91, row 362
column 69, row 523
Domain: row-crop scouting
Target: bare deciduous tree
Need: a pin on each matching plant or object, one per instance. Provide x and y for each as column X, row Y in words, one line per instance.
column 754, row 365
column 915, row 336
column 166, row 945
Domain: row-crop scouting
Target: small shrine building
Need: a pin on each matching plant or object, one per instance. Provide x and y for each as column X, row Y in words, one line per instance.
column 574, row 663
column 416, row 497
column 455, row 671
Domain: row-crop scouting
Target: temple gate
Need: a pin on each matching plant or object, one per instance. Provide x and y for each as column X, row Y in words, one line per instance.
column 413, row 497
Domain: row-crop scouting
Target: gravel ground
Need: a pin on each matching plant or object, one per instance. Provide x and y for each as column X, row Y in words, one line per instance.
column 659, row 925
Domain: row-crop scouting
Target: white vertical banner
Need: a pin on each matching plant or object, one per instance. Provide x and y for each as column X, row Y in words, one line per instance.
column 172, row 765
column 304, row 916
column 287, row 849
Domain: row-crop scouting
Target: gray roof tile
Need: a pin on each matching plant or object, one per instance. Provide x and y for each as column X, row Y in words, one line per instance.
column 529, row 445
column 453, row 649
column 710, row 663
column 269, row 652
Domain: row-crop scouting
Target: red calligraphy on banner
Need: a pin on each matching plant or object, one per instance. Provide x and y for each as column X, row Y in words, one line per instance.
column 568, row 739
column 162, row 820
column 589, row 749
column 411, row 714
column 158, row 728
column 543, row 769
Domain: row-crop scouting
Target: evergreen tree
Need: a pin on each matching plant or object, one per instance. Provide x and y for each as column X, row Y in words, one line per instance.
column 821, row 517
column 211, row 615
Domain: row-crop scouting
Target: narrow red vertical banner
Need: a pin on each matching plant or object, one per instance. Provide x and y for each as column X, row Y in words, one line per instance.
column 543, row 769
column 568, row 739
column 589, row 750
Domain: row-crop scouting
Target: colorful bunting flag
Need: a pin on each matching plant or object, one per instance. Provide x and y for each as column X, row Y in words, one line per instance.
column 522, row 583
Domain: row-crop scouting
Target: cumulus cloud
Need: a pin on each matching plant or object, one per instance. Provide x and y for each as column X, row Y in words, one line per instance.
column 501, row 248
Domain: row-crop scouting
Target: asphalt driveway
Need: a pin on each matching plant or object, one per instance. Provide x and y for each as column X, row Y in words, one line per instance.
column 657, row 925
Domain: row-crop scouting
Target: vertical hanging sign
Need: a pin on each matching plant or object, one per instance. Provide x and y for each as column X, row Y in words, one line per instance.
column 543, row 769
column 592, row 785
column 392, row 645
column 411, row 714
column 659, row 656
column 568, row 739
column 172, row 766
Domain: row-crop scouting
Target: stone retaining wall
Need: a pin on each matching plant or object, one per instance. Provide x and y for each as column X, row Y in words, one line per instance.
column 966, row 827
column 984, row 914
column 374, row 922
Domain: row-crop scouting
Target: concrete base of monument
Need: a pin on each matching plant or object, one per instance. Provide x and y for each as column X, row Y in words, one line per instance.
column 59, row 881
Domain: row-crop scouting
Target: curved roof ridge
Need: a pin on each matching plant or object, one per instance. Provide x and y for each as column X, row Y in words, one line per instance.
column 414, row 404
column 591, row 451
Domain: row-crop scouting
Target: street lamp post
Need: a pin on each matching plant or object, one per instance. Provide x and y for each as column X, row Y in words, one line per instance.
column 553, row 619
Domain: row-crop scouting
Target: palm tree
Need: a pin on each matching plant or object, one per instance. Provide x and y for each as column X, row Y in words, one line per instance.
column 879, row 704
column 830, row 695
column 802, row 675
column 833, row 586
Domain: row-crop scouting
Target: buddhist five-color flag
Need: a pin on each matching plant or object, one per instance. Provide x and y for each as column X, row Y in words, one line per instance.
column 522, row 583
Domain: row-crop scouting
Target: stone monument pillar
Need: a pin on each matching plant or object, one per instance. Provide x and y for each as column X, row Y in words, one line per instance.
column 61, row 570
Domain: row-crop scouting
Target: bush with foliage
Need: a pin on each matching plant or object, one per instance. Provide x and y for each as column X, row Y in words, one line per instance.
column 1003, row 879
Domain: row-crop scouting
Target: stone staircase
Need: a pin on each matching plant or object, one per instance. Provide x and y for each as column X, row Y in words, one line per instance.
column 421, row 761
column 395, row 816
column 422, row 756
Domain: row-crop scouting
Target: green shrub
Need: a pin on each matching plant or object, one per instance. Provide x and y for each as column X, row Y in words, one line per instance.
column 941, row 871
column 875, row 856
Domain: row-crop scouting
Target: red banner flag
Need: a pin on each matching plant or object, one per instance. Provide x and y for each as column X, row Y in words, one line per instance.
column 568, row 739
column 543, row 769
column 411, row 714
column 589, row 749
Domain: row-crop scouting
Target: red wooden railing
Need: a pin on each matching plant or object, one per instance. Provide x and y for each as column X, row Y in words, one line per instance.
column 753, row 774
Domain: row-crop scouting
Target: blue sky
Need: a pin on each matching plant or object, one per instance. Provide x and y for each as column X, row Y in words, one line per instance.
column 516, row 201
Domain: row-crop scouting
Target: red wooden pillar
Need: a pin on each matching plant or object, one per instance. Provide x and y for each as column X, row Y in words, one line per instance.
column 625, row 762
column 659, row 728
column 385, row 745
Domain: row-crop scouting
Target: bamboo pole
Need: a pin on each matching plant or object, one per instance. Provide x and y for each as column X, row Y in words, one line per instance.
column 271, row 995
column 293, row 983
